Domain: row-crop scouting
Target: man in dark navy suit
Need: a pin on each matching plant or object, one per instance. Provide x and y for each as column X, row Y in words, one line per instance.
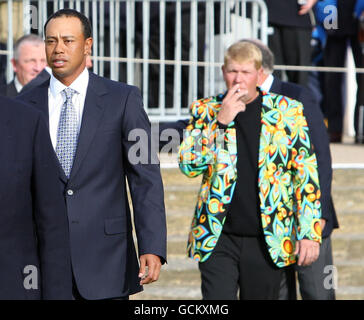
column 34, row 245
column 311, row 278
column 95, row 124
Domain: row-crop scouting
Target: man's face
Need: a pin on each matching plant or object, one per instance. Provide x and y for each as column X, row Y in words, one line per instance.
column 31, row 60
column 244, row 74
column 66, row 48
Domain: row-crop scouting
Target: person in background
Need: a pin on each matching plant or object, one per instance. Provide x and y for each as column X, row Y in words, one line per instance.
column 346, row 33
column 28, row 61
column 290, row 42
column 359, row 127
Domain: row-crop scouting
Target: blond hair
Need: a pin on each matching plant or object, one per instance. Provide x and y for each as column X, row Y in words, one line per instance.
column 242, row 52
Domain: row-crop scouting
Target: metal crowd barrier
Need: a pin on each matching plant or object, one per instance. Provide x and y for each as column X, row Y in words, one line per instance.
column 168, row 48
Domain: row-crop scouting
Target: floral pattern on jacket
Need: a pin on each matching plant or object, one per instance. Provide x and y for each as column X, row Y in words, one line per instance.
column 288, row 183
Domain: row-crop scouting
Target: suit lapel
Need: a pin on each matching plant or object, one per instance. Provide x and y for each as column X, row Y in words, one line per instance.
column 92, row 114
column 231, row 132
column 11, row 90
column 39, row 99
column 265, row 134
column 5, row 140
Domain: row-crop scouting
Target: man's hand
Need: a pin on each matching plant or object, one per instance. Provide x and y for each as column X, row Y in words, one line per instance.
column 306, row 7
column 308, row 251
column 153, row 264
column 231, row 105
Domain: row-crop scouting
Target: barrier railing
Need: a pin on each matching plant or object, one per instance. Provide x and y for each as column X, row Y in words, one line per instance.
column 168, row 48
column 171, row 49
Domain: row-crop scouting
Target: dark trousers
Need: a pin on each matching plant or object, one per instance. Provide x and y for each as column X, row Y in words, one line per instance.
column 333, row 104
column 240, row 263
column 291, row 46
column 315, row 281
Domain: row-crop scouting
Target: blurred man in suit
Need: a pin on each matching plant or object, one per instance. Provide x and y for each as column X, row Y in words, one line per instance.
column 311, row 278
column 34, row 242
column 28, row 61
column 335, row 53
column 91, row 120
column 291, row 39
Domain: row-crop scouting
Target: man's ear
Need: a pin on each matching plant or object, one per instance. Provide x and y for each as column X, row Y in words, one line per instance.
column 13, row 63
column 223, row 69
column 261, row 76
column 88, row 46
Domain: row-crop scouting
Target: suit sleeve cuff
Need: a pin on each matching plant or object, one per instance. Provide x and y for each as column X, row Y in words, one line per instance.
column 222, row 126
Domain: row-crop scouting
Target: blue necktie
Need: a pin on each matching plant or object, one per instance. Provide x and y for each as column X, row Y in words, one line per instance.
column 67, row 134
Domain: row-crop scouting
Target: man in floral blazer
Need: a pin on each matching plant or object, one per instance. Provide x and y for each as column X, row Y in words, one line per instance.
column 259, row 208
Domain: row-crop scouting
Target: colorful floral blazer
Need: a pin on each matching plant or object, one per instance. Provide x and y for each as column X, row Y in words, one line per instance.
column 288, row 182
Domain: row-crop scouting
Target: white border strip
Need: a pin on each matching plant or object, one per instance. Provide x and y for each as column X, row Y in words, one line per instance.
column 348, row 165
column 169, row 165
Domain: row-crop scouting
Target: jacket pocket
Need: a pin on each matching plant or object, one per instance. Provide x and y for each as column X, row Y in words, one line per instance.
column 115, row 225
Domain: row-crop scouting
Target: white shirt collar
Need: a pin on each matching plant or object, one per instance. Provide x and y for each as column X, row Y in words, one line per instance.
column 267, row 84
column 48, row 69
column 18, row 85
column 79, row 85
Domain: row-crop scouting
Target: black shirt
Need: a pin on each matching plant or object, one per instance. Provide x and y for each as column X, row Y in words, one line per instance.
column 243, row 216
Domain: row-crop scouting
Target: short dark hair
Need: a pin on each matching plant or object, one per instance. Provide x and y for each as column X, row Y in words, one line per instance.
column 86, row 24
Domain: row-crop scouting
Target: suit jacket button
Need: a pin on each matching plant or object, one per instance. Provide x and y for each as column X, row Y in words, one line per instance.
column 70, row 192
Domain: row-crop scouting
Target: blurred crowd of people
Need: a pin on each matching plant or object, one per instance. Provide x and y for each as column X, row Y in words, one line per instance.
column 295, row 25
